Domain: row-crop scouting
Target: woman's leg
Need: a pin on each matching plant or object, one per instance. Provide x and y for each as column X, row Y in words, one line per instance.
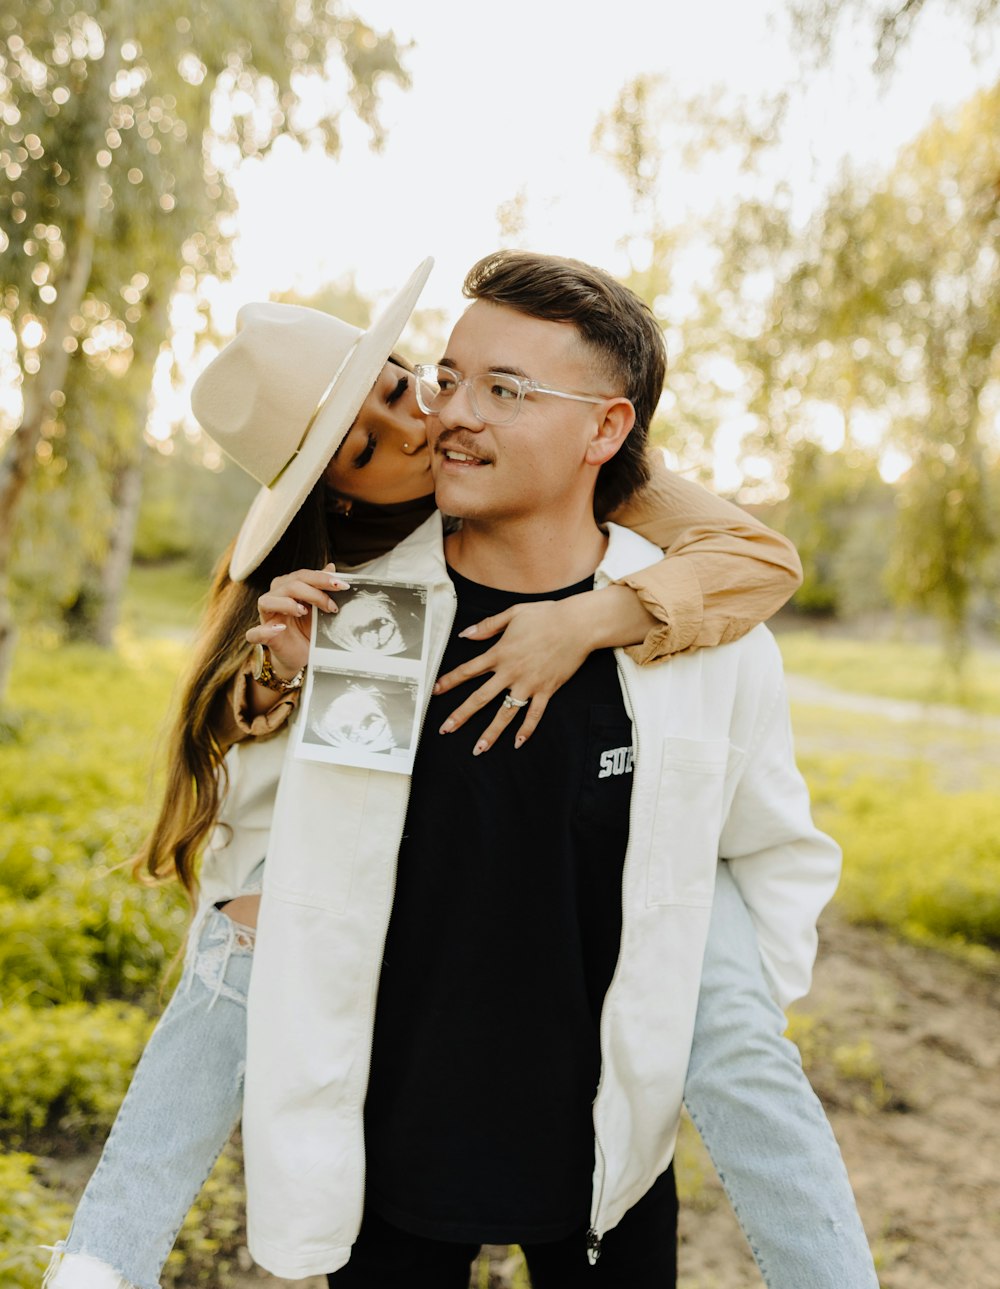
column 181, row 1107
column 761, row 1122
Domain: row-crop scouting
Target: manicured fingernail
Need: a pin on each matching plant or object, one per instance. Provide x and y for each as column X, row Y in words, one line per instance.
column 300, row 609
column 469, row 631
column 480, row 747
column 447, row 727
column 276, row 626
column 339, row 583
column 519, row 741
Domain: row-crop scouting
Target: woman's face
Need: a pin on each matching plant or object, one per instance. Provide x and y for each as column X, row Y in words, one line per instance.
column 384, row 458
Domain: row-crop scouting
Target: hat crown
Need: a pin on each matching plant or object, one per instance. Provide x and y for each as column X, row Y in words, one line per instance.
column 281, row 397
column 258, row 396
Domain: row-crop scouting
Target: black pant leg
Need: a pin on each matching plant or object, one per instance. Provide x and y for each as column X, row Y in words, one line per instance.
column 639, row 1253
column 385, row 1257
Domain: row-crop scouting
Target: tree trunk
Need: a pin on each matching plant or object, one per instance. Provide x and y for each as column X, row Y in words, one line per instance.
column 100, row 602
column 126, row 496
column 18, row 461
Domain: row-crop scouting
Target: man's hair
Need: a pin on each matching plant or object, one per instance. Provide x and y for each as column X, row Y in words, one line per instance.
column 615, row 324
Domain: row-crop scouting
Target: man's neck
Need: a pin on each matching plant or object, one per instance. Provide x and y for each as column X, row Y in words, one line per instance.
column 528, row 555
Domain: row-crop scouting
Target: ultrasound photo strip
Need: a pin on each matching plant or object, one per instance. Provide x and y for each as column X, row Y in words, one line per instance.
column 379, row 626
column 367, row 664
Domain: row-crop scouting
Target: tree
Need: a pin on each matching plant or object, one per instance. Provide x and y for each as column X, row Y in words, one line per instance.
column 649, row 134
column 839, row 514
column 816, row 22
column 123, row 124
column 887, row 308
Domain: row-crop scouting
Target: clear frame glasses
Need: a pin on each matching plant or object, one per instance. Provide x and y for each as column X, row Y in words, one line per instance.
column 496, row 396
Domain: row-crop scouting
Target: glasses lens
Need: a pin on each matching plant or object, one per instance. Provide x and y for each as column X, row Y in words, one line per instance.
column 429, row 396
column 497, row 396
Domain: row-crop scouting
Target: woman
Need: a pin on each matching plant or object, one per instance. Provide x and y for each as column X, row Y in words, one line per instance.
column 363, row 435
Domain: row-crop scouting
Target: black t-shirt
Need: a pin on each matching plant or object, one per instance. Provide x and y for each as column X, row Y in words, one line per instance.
column 503, row 940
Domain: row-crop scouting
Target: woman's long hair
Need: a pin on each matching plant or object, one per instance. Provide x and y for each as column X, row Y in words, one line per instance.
column 196, row 779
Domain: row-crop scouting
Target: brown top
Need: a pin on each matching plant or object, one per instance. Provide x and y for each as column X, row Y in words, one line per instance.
column 723, row 572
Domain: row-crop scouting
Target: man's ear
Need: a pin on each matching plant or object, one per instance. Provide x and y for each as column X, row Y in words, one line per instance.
column 617, row 419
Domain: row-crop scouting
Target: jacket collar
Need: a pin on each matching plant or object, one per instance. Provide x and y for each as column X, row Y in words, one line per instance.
column 626, row 553
column 421, row 555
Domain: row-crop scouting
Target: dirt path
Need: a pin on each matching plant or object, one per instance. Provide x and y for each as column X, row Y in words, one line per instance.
column 904, row 1050
column 815, row 693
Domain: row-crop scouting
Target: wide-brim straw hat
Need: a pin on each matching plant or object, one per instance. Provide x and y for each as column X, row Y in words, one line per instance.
column 281, row 396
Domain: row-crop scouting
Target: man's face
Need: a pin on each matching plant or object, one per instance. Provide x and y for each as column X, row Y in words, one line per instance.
column 509, row 471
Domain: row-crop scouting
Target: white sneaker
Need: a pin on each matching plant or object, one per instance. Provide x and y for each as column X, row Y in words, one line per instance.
column 80, row 1271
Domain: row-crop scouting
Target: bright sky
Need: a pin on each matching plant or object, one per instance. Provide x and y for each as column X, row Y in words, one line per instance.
column 508, row 102
column 504, row 101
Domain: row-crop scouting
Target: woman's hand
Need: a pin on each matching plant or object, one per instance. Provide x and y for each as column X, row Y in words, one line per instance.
column 542, row 644
column 286, row 617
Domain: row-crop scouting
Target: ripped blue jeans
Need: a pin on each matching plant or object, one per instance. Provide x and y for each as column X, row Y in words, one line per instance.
column 745, row 1092
column 180, row 1110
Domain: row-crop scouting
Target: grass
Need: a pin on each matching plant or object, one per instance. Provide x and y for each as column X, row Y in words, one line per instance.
column 164, row 598
column 909, row 671
column 88, row 725
column 918, row 860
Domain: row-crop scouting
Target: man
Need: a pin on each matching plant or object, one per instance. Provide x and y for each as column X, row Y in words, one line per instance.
column 504, row 1058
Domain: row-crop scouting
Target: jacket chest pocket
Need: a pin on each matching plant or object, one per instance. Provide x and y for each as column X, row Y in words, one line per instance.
column 687, row 821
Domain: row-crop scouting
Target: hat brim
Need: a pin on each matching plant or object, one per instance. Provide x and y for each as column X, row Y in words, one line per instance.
column 274, row 507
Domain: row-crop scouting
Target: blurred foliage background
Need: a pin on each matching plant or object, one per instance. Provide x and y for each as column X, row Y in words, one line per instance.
column 858, row 347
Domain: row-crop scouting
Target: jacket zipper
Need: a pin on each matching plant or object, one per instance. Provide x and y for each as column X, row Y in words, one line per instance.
column 601, row 1164
column 373, row 996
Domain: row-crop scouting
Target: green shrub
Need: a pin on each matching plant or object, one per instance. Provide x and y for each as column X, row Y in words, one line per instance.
column 916, row 859
column 45, row 954
column 30, row 1216
column 214, row 1230
column 66, row 1068
column 88, row 937
column 74, row 787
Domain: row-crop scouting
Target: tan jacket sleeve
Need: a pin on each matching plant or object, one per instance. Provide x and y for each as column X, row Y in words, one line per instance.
column 235, row 721
column 723, row 571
